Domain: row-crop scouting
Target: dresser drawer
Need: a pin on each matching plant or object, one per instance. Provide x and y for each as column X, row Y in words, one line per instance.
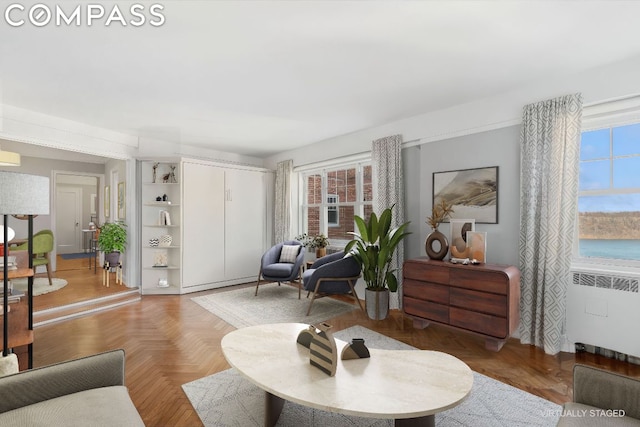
column 482, row 280
column 426, row 291
column 426, row 309
column 484, row 302
column 426, row 272
column 479, row 322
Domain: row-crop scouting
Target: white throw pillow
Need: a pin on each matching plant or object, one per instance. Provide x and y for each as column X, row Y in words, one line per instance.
column 289, row 253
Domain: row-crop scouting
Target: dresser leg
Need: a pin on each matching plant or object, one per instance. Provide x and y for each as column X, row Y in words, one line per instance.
column 493, row 344
column 273, row 408
column 427, row 421
column 420, row 324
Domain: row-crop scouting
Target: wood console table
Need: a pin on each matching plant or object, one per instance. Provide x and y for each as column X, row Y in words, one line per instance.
column 483, row 299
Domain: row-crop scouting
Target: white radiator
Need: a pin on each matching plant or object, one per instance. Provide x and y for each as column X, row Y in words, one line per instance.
column 603, row 311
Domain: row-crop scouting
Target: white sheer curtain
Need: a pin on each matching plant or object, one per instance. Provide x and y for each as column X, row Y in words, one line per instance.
column 549, row 174
column 282, row 220
column 387, row 173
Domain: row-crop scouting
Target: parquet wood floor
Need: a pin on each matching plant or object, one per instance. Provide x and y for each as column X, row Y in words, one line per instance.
column 170, row 340
column 83, row 285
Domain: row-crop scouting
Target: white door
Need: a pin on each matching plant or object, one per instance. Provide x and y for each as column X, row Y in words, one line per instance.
column 245, row 223
column 202, row 224
column 68, row 214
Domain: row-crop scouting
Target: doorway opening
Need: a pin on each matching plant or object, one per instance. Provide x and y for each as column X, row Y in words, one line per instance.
column 77, row 213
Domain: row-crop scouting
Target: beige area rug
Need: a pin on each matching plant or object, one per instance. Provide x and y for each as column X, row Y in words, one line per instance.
column 40, row 285
column 274, row 304
column 228, row 399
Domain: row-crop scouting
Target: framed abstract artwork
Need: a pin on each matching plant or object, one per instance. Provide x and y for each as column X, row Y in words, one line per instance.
column 473, row 193
column 121, row 200
column 107, row 201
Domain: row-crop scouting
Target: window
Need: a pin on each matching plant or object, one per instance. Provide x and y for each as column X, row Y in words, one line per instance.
column 332, row 197
column 333, row 219
column 609, row 194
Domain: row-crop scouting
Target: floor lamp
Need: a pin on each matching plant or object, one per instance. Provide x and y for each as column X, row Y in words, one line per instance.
column 20, row 194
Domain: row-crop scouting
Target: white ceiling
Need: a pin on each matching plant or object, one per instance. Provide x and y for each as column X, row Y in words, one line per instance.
column 261, row 77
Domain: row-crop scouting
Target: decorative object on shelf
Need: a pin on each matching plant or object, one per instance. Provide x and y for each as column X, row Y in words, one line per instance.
column 155, row 167
column 439, row 213
column 171, row 176
column 355, row 350
column 318, row 242
column 164, row 198
column 474, row 192
column 373, row 247
column 163, row 282
column 165, row 218
column 459, row 228
column 159, row 199
column 112, row 240
column 165, row 240
column 322, row 350
column 154, row 242
column 160, row 259
column 478, row 245
column 10, row 235
column 306, row 336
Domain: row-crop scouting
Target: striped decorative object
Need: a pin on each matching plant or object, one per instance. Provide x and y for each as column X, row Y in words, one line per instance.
column 355, row 350
column 306, row 336
column 323, row 352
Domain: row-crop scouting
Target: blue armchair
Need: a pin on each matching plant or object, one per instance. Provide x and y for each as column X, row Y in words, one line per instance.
column 332, row 275
column 276, row 266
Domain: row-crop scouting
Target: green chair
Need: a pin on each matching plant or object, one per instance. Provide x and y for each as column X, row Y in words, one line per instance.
column 42, row 246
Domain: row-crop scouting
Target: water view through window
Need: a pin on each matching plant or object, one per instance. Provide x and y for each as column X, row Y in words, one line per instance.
column 609, row 197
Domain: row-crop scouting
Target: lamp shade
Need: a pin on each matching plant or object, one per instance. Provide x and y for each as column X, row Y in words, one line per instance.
column 23, row 194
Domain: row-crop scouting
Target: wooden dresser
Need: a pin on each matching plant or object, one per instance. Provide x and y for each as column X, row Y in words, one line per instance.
column 482, row 299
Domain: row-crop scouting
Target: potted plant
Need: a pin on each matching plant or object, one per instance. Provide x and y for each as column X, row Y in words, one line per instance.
column 373, row 247
column 318, row 242
column 112, row 241
column 439, row 213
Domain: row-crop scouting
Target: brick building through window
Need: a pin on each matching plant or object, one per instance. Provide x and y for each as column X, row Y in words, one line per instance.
column 333, row 197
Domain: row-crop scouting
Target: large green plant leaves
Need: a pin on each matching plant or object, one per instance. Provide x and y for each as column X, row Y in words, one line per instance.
column 374, row 245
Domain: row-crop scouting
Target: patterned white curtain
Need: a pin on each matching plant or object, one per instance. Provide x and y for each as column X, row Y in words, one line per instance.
column 387, row 173
column 549, row 173
column 282, row 220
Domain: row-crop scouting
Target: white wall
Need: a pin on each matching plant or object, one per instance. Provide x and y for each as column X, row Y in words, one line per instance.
column 502, row 110
column 500, row 147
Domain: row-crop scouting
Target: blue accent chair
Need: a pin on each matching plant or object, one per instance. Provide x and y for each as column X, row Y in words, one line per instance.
column 272, row 270
column 333, row 274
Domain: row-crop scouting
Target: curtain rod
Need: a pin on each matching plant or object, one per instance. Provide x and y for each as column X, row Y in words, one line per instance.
column 612, row 100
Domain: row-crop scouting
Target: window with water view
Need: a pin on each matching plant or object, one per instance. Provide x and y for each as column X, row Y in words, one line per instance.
column 609, row 193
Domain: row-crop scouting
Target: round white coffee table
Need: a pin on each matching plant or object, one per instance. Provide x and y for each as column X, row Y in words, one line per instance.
column 409, row 386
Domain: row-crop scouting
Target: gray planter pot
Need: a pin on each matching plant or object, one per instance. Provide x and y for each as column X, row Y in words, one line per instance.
column 112, row 258
column 377, row 303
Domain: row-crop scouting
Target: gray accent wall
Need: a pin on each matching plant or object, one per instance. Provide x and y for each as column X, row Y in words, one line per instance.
column 500, row 148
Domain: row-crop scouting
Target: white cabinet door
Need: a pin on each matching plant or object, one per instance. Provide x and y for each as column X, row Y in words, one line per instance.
column 245, row 212
column 203, row 225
